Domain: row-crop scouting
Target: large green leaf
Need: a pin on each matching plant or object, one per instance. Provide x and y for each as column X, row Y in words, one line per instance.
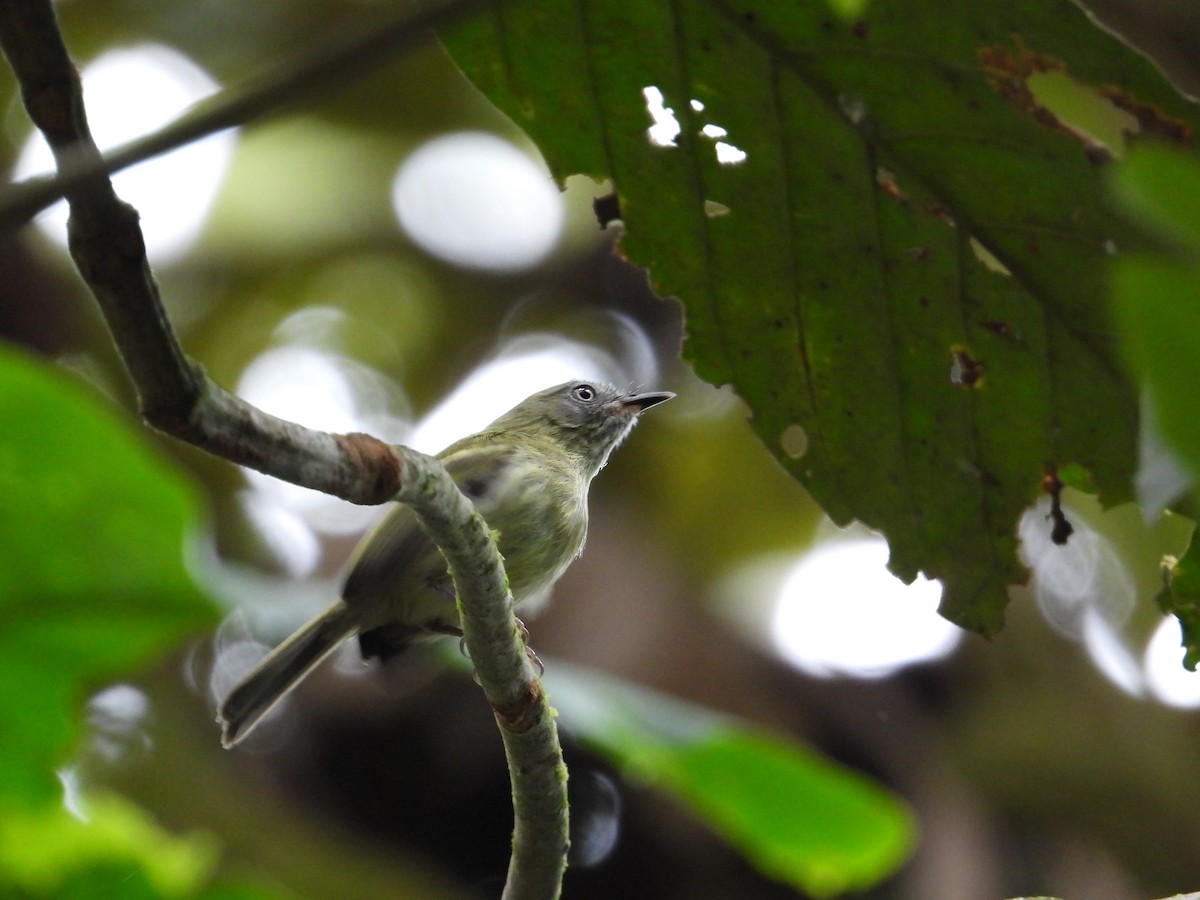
column 93, row 579
column 797, row 817
column 904, row 276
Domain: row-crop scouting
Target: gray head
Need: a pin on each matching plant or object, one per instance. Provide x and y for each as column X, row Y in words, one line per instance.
column 587, row 418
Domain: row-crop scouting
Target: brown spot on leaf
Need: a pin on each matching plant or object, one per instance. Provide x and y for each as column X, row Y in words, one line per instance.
column 937, row 210
column 887, row 183
column 1150, row 118
column 1000, row 329
column 1008, row 67
column 1012, row 73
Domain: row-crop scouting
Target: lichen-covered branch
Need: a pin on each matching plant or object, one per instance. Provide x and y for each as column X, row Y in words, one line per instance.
column 504, row 671
column 176, row 396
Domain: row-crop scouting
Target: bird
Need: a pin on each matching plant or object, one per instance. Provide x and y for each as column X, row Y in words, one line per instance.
column 528, row 474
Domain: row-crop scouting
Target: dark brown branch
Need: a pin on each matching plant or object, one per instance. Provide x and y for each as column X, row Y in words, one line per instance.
column 340, row 59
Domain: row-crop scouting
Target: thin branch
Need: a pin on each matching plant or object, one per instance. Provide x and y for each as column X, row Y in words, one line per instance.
column 340, row 59
column 176, row 396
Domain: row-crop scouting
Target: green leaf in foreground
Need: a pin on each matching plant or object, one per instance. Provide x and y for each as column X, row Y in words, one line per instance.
column 1157, row 294
column 93, row 581
column 902, row 272
column 797, row 817
column 42, row 849
column 1156, row 297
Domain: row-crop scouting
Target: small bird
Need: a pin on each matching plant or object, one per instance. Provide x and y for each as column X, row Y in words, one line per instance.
column 528, row 474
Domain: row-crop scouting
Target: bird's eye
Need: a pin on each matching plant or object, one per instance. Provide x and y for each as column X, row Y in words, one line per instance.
column 585, row 392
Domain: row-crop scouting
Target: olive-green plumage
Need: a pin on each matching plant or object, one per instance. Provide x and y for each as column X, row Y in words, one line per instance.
column 528, row 473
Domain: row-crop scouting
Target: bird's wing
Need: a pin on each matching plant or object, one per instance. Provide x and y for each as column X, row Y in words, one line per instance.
column 399, row 559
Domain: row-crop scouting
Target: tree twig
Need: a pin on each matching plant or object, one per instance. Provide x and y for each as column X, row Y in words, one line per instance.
column 176, row 396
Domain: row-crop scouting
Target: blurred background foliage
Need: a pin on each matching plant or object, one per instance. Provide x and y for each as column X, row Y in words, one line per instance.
column 1058, row 758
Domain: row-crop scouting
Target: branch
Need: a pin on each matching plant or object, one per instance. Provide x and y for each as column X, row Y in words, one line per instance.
column 176, row 396
column 340, row 59
column 503, row 669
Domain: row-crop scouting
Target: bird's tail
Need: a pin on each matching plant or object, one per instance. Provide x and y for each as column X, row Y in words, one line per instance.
column 280, row 670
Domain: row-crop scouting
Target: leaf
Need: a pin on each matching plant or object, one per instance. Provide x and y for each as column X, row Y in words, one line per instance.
column 798, row 818
column 1154, row 296
column 42, row 849
column 904, row 277
column 1155, row 292
column 94, row 579
column 1181, row 598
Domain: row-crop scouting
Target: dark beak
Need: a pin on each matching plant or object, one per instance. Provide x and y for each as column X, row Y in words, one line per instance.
column 643, row 402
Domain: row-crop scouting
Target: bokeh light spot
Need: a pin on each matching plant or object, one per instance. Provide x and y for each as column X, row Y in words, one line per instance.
column 129, row 93
column 1070, row 579
column 327, row 392
column 475, row 200
column 841, row 612
column 1166, row 677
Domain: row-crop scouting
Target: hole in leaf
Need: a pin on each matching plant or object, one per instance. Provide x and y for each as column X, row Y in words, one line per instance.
column 965, row 370
column 1102, row 119
column 989, row 260
column 715, row 210
column 853, row 108
column 1083, row 111
column 729, row 155
column 666, row 128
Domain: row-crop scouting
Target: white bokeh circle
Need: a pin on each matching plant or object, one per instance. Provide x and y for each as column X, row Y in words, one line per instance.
column 129, row 93
column 475, row 200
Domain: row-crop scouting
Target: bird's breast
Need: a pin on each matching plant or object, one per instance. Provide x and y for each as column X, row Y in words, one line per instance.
column 539, row 511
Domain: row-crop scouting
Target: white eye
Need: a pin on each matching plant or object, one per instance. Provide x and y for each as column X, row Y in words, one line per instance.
column 585, row 392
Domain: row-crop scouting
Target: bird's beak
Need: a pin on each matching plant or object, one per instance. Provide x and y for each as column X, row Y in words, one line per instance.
column 642, row 402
